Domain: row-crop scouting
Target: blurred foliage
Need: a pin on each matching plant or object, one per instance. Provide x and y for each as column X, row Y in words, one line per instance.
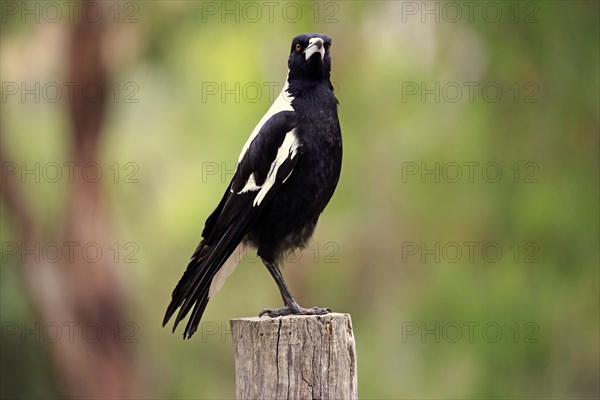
column 176, row 132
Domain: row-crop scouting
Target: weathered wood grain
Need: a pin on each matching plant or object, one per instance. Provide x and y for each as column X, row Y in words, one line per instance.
column 295, row 357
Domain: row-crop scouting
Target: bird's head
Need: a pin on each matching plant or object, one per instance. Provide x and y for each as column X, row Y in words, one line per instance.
column 309, row 57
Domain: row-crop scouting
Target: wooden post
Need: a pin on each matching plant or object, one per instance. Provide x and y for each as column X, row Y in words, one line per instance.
column 295, row 357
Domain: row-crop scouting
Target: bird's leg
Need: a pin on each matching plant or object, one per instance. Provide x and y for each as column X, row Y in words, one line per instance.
column 291, row 306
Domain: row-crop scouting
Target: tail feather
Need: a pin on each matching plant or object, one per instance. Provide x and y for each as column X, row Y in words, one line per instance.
column 176, row 297
column 194, row 320
column 193, row 287
column 198, row 269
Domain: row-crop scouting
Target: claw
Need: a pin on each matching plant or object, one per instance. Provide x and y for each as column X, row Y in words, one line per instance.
column 297, row 310
column 276, row 312
column 320, row 311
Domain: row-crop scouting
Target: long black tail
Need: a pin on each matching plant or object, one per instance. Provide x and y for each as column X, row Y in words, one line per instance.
column 194, row 285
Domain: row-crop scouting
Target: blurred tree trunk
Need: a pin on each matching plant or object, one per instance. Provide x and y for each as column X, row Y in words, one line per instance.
column 81, row 294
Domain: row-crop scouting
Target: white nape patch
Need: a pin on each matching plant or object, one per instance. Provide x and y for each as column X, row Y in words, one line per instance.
column 250, row 185
column 287, row 149
column 283, row 102
column 312, row 48
column 226, row 270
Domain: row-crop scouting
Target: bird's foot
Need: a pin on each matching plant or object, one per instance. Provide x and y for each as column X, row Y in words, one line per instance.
column 295, row 309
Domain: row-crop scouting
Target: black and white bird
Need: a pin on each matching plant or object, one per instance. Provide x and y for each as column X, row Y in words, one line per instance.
column 286, row 174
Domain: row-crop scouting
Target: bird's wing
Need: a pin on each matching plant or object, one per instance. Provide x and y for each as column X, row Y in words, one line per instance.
column 267, row 161
column 264, row 166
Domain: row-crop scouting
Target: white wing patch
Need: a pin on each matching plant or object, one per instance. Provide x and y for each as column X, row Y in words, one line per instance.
column 287, row 150
column 250, row 185
column 283, row 102
column 227, row 269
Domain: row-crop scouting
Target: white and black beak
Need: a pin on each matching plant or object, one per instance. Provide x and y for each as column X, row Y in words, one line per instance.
column 315, row 45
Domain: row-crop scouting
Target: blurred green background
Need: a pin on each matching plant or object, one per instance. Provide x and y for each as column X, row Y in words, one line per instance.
column 385, row 250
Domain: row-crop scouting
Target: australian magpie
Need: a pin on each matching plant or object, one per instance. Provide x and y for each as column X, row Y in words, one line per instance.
column 286, row 174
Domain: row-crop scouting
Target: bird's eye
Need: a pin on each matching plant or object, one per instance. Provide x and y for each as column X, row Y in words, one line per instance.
column 327, row 45
column 298, row 47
